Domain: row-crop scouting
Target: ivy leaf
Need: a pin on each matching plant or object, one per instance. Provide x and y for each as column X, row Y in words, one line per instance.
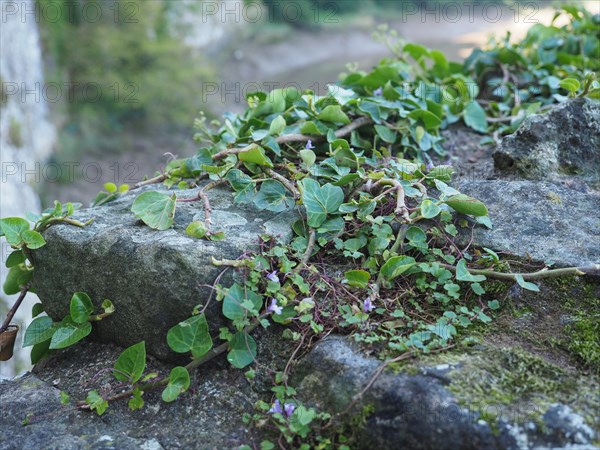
column 156, row 209
column 475, row 117
column 235, row 297
column 131, row 363
column 357, row 278
column 196, row 229
column 69, row 333
column 96, row 402
column 429, row 210
column 320, row 200
column 386, row 134
column 15, row 258
column 256, row 155
column 277, row 126
column 526, row 285
column 179, row 382
column 334, row 114
column 467, row 205
column 308, row 157
column 272, row 196
column 39, row 330
column 33, row 239
column 38, row 351
column 242, row 350
column 463, row 274
column 570, row 84
column 81, row 307
column 396, row 266
column 136, row 402
column 16, row 278
column 430, row 120
column 191, row 335
column 12, row 228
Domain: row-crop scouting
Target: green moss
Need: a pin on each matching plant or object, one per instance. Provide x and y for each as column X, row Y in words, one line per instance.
column 584, row 339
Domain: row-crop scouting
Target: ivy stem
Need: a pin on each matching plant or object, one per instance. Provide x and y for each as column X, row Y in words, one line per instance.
column 312, row 236
column 289, row 186
column 157, row 179
column 73, row 222
column 286, row 138
column 13, row 310
column 540, row 274
column 194, row 364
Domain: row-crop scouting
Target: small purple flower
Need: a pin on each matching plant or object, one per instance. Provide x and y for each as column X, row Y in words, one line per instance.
column 289, row 409
column 272, row 276
column 274, row 307
column 368, row 305
column 429, row 165
column 378, row 92
column 309, row 145
column 276, row 408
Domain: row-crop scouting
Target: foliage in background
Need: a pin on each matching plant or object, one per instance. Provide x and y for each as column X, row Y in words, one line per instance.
column 132, row 55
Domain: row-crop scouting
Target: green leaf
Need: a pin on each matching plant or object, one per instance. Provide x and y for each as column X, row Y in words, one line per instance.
column 463, row 274
column 136, row 402
column 96, row 402
column 357, row 278
column 131, row 363
column 179, row 382
column 191, row 335
column 196, row 229
column 570, row 84
column 386, row 134
column 69, row 333
column 526, row 285
column 156, row 209
column 467, row 205
column 39, row 330
column 64, row 398
column 494, row 304
column 475, row 117
column 273, row 196
column 256, row 155
column 232, row 303
column 110, row 187
column 15, row 258
column 16, row 278
column 476, row 287
column 429, row 210
column 277, row 126
column 12, row 228
column 430, row 120
column 310, row 128
column 334, row 114
column 108, row 306
column 33, row 239
column 396, row 266
column 38, row 351
column 242, row 350
column 81, row 307
column 308, row 157
column 320, row 200
column 37, row 309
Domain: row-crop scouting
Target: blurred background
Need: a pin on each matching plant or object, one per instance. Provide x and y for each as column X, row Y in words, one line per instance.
column 107, row 91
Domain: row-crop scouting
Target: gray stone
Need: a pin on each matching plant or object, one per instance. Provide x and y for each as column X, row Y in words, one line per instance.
column 419, row 411
column 208, row 416
column 154, row 278
column 545, row 221
column 562, row 142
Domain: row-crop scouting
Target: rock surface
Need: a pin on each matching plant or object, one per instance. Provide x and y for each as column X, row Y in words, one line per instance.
column 142, row 271
column 563, row 142
column 208, row 416
column 541, row 220
column 420, row 411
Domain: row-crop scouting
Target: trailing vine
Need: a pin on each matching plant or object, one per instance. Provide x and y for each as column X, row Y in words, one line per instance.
column 375, row 251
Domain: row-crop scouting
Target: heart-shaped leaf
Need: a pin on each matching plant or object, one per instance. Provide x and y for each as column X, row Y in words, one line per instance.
column 191, row 335
column 320, row 200
column 156, row 209
column 463, row 274
column 39, row 330
column 179, row 382
column 131, row 363
column 235, row 298
column 81, row 307
column 242, row 350
column 396, row 266
column 69, row 333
